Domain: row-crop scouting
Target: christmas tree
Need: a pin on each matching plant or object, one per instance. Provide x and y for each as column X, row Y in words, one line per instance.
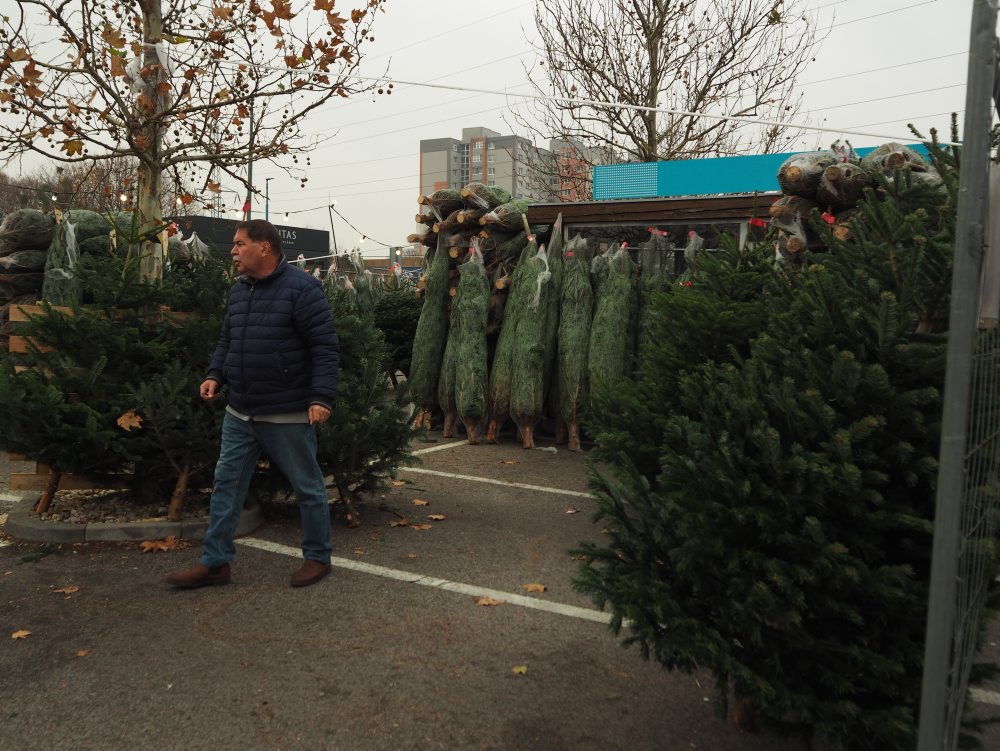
column 774, row 460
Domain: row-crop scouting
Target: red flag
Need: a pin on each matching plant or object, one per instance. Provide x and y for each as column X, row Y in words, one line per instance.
column 246, row 206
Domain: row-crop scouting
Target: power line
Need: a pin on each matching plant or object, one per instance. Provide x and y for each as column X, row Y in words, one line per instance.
column 883, row 98
column 884, row 13
column 599, row 103
column 887, row 67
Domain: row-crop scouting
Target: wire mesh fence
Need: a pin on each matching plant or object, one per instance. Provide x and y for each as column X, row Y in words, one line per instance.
column 980, row 506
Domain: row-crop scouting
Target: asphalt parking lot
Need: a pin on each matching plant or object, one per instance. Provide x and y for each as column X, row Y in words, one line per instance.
column 391, row 651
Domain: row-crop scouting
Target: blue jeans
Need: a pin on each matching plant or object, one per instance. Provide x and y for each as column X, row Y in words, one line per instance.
column 292, row 446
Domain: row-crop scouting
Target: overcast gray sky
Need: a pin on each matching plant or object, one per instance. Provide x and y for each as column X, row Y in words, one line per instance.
column 884, row 63
column 371, row 167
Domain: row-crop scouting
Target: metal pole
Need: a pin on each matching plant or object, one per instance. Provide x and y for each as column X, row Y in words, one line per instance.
column 969, row 240
column 267, row 198
column 253, row 134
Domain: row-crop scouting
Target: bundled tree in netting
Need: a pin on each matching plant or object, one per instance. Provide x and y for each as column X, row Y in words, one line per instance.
column 446, row 378
column 502, row 370
column 61, row 286
column 430, row 338
column 483, row 196
column 554, row 255
column 527, row 386
column 771, row 506
column 575, row 314
column 472, row 373
column 609, row 334
column 655, row 261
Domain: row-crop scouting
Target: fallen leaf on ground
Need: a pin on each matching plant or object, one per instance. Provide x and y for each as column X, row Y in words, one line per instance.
column 22, row 634
column 129, row 420
column 507, row 461
column 572, row 510
column 81, row 653
column 578, row 557
column 519, row 669
column 398, row 483
column 534, row 587
column 151, row 546
column 67, row 590
column 7, row 573
column 421, row 527
column 411, row 555
column 437, row 517
column 487, row 601
column 404, row 522
column 420, row 502
column 358, row 551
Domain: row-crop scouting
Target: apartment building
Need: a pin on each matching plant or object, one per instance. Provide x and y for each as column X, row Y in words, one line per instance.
column 561, row 172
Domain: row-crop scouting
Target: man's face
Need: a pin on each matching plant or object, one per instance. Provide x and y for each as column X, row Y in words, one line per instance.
column 253, row 258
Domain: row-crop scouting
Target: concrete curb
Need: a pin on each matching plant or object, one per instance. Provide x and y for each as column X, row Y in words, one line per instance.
column 22, row 525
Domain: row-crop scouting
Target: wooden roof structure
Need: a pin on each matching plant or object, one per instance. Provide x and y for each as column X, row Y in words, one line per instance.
column 733, row 208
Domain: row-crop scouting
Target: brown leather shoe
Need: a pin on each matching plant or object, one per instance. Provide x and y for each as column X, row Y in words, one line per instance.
column 200, row 576
column 310, row 573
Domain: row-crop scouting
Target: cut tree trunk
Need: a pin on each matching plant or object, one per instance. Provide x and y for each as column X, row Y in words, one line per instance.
column 177, row 497
column 45, row 500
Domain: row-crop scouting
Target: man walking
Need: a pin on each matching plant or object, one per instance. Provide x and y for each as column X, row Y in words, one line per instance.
column 279, row 356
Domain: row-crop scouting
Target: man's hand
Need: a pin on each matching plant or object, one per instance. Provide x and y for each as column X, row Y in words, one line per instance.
column 209, row 389
column 318, row 413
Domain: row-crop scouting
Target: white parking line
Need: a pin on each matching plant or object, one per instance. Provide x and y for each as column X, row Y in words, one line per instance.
column 439, row 448
column 505, row 483
column 509, row 598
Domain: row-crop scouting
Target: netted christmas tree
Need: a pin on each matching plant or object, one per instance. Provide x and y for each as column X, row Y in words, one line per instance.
column 773, row 467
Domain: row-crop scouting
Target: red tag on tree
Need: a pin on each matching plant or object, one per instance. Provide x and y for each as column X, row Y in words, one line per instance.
column 828, row 217
column 757, row 222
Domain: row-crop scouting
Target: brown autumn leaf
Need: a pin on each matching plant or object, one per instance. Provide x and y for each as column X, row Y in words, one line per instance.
column 129, row 420
column 507, row 461
column 22, row 634
column 572, row 510
column 437, row 517
column 533, row 587
column 214, row 187
column 404, row 522
column 519, row 669
column 117, row 67
column 324, row 5
column 420, row 502
column 487, row 601
column 18, row 55
column 46, row 131
column 222, row 12
column 151, row 546
column 73, row 147
column 81, row 653
column 67, row 590
column 358, row 551
column 187, row 199
column 283, row 9
column 398, row 483
column 421, row 527
column 357, row 15
column 113, row 36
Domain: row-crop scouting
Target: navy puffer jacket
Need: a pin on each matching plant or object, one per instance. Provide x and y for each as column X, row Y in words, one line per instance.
column 278, row 350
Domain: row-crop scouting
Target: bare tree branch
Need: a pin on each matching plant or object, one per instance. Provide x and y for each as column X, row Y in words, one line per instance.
column 736, row 59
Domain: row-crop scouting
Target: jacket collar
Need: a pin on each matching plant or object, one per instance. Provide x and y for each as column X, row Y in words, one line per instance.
column 282, row 267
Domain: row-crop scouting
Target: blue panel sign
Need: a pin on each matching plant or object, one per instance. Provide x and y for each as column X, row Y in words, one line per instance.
column 696, row 177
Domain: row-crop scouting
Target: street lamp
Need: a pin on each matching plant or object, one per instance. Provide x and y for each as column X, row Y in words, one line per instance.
column 267, row 198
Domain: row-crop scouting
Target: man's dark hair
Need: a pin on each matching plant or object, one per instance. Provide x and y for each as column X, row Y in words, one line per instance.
column 260, row 231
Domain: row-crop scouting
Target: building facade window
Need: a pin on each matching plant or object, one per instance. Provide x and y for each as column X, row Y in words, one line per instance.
column 491, row 171
column 491, row 145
